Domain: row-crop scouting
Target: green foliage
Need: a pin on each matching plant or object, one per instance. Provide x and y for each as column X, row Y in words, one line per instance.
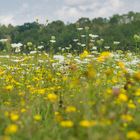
column 120, row 28
column 137, row 38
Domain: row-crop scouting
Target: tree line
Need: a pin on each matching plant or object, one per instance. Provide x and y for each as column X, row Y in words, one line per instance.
column 124, row 29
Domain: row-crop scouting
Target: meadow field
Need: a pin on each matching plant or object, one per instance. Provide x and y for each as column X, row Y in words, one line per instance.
column 70, row 97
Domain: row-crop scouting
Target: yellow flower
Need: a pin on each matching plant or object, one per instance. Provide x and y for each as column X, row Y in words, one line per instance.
column 121, row 65
column 137, row 93
column 23, row 110
column 7, row 103
column 21, row 94
column 6, row 114
column 137, row 76
column 109, row 91
column 91, row 71
column 52, row 97
column 84, row 54
column 70, row 109
column 64, row 78
column 131, row 104
column 103, row 56
column 1, row 72
column 138, row 100
column 122, row 97
column 41, row 91
column 22, row 102
column 67, row 123
column 133, row 135
column 105, row 122
column 109, row 71
column 87, row 123
column 127, row 118
column 11, row 129
column 14, row 116
column 58, row 116
column 114, row 80
column 37, row 117
column 9, row 87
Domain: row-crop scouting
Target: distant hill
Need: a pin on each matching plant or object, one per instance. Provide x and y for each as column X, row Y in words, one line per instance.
column 117, row 28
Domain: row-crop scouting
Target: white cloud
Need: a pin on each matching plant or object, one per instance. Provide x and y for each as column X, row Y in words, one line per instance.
column 74, row 9
column 116, row 3
column 7, row 19
column 77, row 2
column 67, row 12
column 21, row 11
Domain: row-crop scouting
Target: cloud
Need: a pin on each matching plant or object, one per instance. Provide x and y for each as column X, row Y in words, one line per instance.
column 20, row 11
column 116, row 3
column 74, row 9
column 77, row 2
column 7, row 19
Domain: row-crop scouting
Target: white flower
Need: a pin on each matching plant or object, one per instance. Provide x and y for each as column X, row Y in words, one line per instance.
column 91, row 40
column 94, row 48
column 83, row 36
column 79, row 43
column 95, row 52
column 17, row 50
column 67, row 48
column 52, row 37
column 75, row 40
column 33, row 52
column 60, row 58
column 83, row 45
column 79, row 29
column 116, row 42
column 17, row 60
column 107, row 47
column 40, row 47
column 93, row 36
column 16, row 45
column 4, row 56
column 52, row 41
column 3, row 40
column 63, row 49
column 59, row 48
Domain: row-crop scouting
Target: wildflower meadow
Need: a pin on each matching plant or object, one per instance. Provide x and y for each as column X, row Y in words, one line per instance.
column 78, row 81
column 70, row 96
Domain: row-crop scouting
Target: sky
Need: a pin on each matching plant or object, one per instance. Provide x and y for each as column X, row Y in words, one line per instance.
column 17, row 12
